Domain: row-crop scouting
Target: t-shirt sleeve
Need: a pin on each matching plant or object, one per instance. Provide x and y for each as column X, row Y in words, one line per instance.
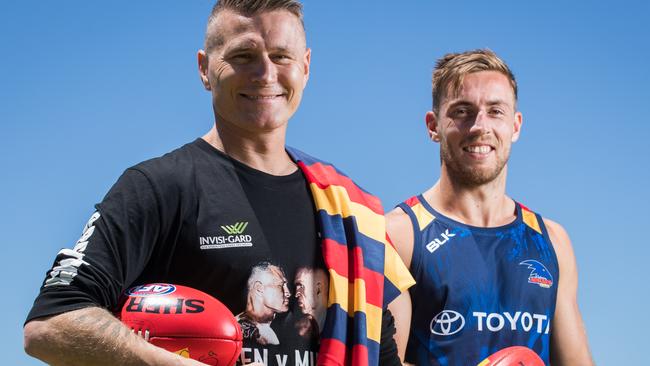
column 112, row 251
column 387, row 346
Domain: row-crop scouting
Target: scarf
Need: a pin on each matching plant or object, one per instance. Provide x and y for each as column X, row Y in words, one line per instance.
column 364, row 268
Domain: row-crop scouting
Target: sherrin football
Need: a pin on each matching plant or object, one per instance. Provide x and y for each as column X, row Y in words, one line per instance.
column 183, row 320
column 513, row 356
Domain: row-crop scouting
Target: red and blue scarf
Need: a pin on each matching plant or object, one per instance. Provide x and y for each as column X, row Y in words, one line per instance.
column 365, row 271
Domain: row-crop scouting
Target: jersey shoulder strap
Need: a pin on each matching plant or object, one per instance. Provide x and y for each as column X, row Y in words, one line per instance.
column 421, row 217
column 533, row 221
column 416, row 208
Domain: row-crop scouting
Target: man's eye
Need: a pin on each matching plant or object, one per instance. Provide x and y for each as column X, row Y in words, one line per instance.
column 461, row 112
column 242, row 57
column 496, row 112
column 280, row 57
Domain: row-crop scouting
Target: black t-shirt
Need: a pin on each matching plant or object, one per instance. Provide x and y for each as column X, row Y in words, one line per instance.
column 198, row 218
column 297, row 274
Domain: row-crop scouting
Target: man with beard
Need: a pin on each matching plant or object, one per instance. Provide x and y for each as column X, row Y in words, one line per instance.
column 311, row 295
column 490, row 272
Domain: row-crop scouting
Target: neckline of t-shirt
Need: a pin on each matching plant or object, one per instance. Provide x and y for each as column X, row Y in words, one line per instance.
column 449, row 221
column 274, row 179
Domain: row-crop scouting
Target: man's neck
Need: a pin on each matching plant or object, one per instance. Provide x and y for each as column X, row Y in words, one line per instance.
column 264, row 152
column 483, row 205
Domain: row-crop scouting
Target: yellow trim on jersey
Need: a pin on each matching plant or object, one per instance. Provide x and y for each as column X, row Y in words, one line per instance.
column 423, row 215
column 530, row 219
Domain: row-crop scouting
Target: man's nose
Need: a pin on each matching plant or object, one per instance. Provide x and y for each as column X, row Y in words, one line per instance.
column 480, row 123
column 265, row 71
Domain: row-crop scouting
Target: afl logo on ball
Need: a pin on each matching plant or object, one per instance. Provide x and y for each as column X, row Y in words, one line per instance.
column 152, row 289
column 447, row 322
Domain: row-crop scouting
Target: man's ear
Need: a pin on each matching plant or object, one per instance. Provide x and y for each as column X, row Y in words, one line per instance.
column 306, row 65
column 519, row 119
column 432, row 126
column 202, row 59
column 258, row 286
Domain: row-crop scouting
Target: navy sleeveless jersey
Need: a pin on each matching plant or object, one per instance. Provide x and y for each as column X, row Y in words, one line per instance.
column 479, row 290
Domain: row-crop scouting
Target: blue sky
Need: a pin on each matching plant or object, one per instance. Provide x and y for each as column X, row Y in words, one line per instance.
column 87, row 90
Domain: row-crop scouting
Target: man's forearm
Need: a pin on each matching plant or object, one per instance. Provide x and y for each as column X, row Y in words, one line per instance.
column 92, row 336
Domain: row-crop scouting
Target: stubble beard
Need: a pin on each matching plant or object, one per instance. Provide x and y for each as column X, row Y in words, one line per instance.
column 469, row 176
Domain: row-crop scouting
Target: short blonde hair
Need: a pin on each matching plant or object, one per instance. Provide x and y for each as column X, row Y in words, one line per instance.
column 451, row 69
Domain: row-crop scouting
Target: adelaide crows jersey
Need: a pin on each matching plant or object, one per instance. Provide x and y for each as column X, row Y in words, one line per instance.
column 479, row 290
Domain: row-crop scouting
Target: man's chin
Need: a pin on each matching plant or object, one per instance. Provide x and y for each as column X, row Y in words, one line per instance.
column 267, row 119
column 480, row 178
column 475, row 176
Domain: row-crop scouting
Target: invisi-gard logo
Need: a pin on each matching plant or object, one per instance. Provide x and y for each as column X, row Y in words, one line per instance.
column 237, row 228
column 236, row 238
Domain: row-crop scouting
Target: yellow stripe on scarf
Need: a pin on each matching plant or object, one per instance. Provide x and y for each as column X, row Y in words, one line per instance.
column 339, row 285
column 395, row 270
column 336, row 201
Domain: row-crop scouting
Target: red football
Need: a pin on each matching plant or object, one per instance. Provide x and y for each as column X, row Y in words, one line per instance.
column 515, row 356
column 185, row 321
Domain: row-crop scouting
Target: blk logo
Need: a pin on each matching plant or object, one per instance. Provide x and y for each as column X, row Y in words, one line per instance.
column 438, row 242
column 446, row 323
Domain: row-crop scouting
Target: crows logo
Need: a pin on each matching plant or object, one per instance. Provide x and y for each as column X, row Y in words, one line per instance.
column 539, row 275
